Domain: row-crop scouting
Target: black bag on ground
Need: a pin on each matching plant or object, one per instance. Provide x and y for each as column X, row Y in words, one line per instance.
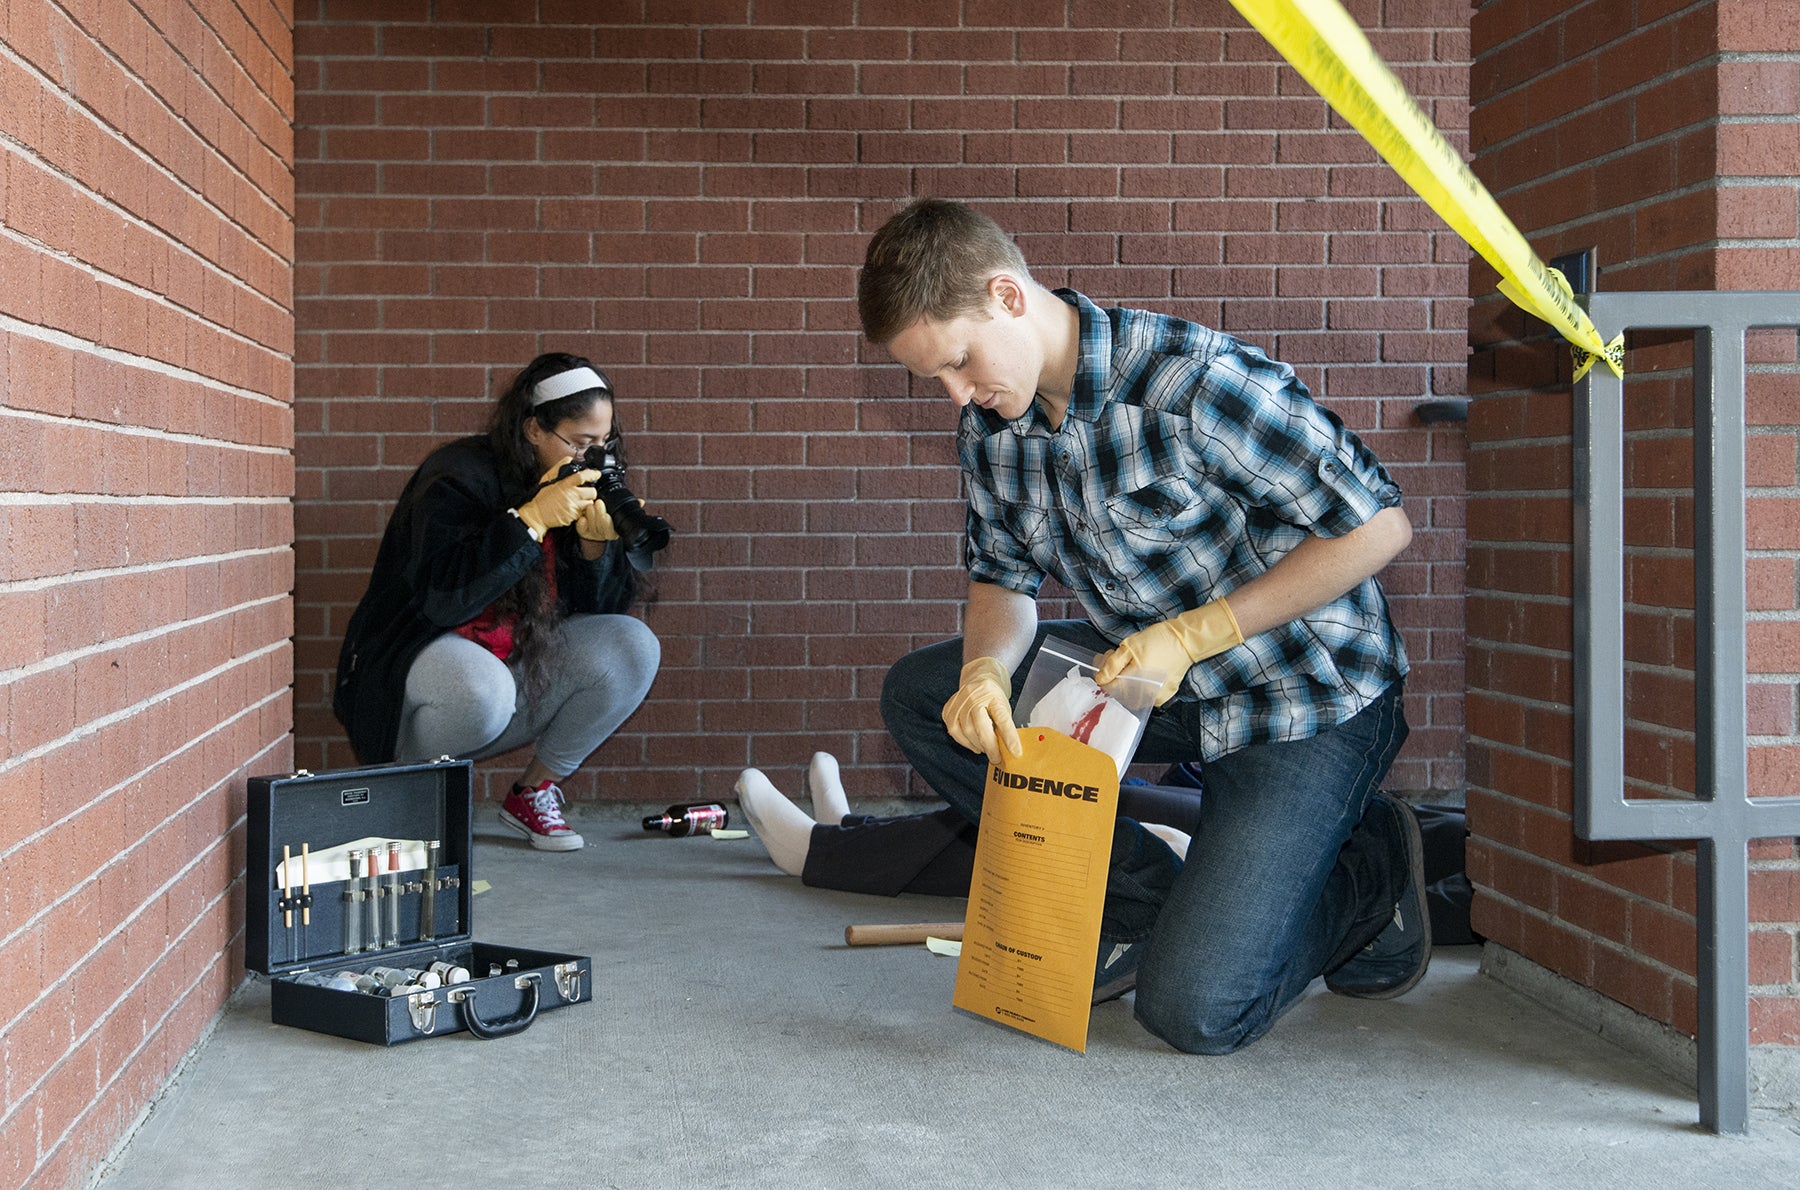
column 1447, row 892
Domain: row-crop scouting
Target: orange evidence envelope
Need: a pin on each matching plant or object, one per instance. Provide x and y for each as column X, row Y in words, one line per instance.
column 1033, row 926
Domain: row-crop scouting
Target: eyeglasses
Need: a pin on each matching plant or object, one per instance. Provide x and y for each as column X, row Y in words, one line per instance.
column 578, row 450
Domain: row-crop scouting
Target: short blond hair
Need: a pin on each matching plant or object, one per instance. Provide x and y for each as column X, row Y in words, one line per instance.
column 932, row 260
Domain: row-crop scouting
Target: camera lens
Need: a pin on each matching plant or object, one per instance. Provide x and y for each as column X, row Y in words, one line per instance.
column 639, row 531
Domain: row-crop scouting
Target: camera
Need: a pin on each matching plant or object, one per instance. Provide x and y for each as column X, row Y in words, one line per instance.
column 639, row 531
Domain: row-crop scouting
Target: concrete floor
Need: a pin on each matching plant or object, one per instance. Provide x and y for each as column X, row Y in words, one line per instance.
column 736, row 1042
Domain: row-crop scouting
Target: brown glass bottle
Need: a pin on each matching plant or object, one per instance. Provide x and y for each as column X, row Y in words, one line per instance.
column 689, row 818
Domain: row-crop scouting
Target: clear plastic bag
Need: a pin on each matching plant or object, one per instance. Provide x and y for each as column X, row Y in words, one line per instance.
column 1060, row 693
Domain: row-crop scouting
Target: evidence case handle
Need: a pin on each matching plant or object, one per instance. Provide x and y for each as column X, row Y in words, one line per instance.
column 465, row 1002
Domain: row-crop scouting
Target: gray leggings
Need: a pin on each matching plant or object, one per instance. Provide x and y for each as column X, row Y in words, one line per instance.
column 462, row 701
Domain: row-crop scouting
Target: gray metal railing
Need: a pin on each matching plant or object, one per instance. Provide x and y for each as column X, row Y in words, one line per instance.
column 1724, row 818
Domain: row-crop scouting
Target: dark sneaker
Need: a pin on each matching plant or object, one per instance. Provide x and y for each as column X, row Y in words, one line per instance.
column 1116, row 971
column 537, row 814
column 1395, row 961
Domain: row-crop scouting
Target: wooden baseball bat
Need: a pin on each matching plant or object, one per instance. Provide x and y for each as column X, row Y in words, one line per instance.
column 902, row 934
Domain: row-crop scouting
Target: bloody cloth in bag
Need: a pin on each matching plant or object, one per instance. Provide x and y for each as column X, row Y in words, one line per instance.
column 1087, row 714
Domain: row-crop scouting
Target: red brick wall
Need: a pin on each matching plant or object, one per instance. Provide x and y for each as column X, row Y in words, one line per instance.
column 145, row 566
column 686, row 202
column 1758, row 219
column 1663, row 134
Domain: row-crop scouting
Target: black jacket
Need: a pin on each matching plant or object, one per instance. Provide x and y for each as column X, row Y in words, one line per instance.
column 451, row 548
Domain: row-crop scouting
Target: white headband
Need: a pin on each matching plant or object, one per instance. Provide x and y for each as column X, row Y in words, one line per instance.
column 567, row 384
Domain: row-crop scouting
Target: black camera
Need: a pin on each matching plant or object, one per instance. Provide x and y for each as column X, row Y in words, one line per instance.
column 639, row 531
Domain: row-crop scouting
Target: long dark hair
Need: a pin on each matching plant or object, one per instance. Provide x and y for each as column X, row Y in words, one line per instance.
column 536, row 626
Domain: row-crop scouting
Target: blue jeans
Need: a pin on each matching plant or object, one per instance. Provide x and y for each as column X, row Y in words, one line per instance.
column 1280, row 885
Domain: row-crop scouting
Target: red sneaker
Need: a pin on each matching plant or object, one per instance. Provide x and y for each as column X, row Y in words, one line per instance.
column 537, row 814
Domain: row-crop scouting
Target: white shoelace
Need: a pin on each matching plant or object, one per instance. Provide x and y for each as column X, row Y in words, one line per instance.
column 548, row 804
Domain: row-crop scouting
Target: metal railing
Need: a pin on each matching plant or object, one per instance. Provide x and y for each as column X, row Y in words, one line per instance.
column 1723, row 818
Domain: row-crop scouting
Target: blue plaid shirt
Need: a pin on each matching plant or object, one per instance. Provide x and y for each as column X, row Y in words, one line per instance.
column 1188, row 463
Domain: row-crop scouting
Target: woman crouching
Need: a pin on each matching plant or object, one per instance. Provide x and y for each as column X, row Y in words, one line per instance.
column 494, row 616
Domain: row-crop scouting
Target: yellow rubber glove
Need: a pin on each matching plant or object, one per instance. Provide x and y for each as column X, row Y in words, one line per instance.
column 1174, row 645
column 979, row 714
column 595, row 523
column 560, row 502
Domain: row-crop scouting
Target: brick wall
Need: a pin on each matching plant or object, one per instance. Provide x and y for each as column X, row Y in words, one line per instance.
column 684, row 196
column 1664, row 134
column 145, row 431
column 1758, row 221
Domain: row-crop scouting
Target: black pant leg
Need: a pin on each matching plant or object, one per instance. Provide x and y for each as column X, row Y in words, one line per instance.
column 931, row 853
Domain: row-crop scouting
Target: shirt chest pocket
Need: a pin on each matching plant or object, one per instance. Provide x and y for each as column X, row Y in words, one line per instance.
column 1025, row 523
column 1165, row 512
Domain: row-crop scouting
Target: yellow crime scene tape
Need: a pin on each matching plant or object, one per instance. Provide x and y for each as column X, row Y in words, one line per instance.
column 1321, row 41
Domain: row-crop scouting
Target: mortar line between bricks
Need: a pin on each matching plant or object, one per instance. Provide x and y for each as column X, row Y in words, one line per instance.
column 62, row 580
column 59, row 499
column 136, row 431
column 32, row 330
column 88, row 728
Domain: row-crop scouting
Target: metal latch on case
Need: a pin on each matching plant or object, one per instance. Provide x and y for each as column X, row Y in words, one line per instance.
column 423, row 1007
column 568, row 981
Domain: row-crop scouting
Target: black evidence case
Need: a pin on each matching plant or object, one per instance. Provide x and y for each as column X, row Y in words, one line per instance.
column 509, row 985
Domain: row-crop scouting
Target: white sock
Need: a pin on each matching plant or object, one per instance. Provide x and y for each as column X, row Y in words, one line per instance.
column 823, row 786
column 782, row 826
column 1178, row 842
